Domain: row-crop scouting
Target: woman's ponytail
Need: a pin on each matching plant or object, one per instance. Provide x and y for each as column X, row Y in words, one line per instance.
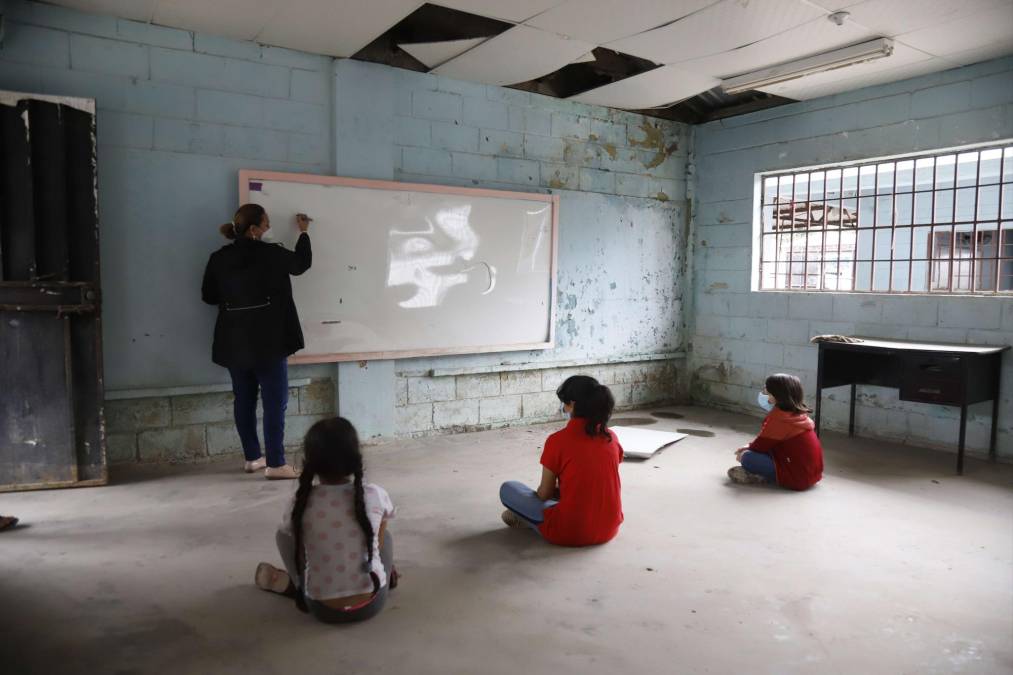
column 247, row 216
column 592, row 402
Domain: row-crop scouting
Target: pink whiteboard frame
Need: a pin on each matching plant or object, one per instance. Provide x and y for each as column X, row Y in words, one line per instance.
column 246, row 175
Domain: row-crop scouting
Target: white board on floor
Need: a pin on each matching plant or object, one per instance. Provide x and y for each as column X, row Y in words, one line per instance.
column 643, row 443
column 407, row 269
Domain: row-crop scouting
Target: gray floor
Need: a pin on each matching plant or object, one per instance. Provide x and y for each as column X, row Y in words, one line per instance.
column 892, row 565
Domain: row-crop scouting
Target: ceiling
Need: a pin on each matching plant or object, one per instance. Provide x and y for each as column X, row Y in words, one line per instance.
column 631, row 54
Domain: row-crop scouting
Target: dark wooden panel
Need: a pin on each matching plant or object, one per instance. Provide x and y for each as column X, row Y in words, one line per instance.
column 89, row 392
column 49, row 189
column 36, row 426
column 842, row 365
column 17, row 223
column 82, row 205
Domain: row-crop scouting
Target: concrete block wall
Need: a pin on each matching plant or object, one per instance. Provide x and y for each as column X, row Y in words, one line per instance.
column 739, row 336
column 198, row 427
column 429, row 405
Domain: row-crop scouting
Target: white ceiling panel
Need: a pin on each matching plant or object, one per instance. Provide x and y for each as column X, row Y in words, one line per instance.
column 514, row 11
column 898, row 65
column 983, row 53
column 434, row 53
column 808, row 39
column 894, row 17
column 964, row 34
column 517, row 55
column 138, row 10
column 333, row 27
column 726, row 25
column 237, row 19
column 654, row 88
column 601, row 21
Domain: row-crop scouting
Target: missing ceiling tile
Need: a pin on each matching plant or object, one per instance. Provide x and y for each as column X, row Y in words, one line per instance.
column 607, row 67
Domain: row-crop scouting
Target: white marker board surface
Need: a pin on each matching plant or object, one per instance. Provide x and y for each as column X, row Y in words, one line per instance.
column 404, row 269
column 643, row 443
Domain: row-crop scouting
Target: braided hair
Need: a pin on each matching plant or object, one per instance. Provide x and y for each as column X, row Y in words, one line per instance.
column 592, row 402
column 330, row 451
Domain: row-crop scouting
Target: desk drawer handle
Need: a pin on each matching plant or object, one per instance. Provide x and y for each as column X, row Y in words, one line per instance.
column 927, row 390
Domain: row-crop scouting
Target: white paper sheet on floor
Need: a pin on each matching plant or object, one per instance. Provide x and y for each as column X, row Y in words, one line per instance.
column 643, row 443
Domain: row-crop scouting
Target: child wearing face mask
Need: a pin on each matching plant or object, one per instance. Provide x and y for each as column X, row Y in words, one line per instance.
column 787, row 451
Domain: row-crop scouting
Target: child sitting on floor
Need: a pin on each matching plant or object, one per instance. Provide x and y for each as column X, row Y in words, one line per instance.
column 787, row 451
column 578, row 501
column 334, row 540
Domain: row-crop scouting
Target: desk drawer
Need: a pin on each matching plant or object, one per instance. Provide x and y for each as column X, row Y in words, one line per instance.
column 931, row 379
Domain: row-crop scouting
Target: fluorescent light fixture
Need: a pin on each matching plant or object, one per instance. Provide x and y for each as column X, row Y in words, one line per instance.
column 838, row 58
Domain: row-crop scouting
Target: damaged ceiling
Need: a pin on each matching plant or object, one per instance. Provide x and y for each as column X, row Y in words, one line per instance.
column 666, row 58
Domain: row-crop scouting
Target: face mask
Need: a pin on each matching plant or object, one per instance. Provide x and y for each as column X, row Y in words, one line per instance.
column 761, row 399
column 267, row 236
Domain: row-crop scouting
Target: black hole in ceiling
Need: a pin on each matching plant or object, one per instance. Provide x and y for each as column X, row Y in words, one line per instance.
column 428, row 23
column 696, row 432
column 631, row 421
column 668, row 415
column 608, row 67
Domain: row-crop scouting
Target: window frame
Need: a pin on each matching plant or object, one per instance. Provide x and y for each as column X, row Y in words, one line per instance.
column 929, row 266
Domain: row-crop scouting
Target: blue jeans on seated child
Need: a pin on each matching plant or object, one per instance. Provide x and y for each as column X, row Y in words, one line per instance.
column 759, row 463
column 523, row 501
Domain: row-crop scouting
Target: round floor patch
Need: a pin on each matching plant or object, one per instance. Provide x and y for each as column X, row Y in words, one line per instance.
column 630, row 421
column 663, row 415
column 696, row 432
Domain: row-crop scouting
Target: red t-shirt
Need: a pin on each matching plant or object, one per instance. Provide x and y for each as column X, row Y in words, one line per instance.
column 589, row 509
column 790, row 441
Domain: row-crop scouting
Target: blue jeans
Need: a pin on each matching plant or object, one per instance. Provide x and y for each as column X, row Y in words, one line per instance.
column 523, row 501
column 759, row 463
column 272, row 381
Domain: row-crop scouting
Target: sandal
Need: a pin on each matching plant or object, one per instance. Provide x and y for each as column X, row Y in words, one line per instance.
column 394, row 579
column 270, row 578
column 283, row 472
column 7, row 523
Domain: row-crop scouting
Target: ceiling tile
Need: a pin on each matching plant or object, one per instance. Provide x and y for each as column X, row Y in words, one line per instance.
column 964, row 34
column 983, row 53
column 138, row 10
column 601, row 21
column 237, row 19
column 896, row 17
column 333, row 27
column 517, row 55
column 433, row 54
column 514, row 11
column 726, row 25
column 654, row 88
column 809, row 39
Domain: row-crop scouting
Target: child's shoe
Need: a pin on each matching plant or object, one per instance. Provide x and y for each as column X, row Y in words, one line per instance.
column 512, row 519
column 255, row 466
column 743, row 477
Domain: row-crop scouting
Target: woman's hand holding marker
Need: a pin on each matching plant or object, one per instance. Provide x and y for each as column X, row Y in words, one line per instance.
column 303, row 221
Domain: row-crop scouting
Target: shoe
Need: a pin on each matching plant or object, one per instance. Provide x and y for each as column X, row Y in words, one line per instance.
column 512, row 519
column 283, row 472
column 739, row 475
column 393, row 580
column 270, row 578
column 8, row 522
column 255, row 466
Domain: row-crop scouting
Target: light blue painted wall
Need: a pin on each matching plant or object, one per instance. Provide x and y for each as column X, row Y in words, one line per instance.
column 180, row 113
column 740, row 336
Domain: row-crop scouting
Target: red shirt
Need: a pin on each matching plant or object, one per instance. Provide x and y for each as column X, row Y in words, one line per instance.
column 589, row 509
column 790, row 441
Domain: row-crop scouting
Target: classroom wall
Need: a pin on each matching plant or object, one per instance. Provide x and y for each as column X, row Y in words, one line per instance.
column 179, row 113
column 738, row 336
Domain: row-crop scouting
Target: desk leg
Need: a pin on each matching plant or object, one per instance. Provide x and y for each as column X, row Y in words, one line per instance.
column 851, row 413
column 995, row 413
column 819, row 387
column 960, row 443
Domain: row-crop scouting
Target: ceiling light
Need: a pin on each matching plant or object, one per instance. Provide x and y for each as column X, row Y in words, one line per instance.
column 838, row 58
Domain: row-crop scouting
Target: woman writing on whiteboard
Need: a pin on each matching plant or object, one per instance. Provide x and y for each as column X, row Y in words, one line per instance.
column 257, row 328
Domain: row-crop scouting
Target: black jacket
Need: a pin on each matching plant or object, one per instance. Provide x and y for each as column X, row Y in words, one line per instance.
column 257, row 319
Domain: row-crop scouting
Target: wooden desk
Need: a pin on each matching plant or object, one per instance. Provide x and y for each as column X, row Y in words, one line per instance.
column 944, row 374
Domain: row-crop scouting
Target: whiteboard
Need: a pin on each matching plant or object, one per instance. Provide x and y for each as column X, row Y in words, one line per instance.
column 404, row 269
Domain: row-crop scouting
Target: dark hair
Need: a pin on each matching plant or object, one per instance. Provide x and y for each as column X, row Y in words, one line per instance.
column 591, row 401
column 246, row 217
column 330, row 450
column 787, row 391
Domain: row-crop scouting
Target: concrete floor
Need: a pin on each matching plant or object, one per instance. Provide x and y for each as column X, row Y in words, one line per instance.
column 892, row 565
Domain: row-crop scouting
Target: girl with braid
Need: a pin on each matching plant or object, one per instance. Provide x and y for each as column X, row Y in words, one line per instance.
column 334, row 541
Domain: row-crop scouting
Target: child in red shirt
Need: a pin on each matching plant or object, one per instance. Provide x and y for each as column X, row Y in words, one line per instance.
column 787, row 451
column 578, row 501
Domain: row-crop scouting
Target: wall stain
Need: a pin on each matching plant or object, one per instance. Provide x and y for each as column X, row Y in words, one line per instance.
column 654, row 140
column 661, row 196
column 610, row 148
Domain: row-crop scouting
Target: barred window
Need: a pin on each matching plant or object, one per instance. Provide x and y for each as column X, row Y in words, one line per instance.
column 934, row 223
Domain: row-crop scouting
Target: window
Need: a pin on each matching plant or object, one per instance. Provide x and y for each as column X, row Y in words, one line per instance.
column 940, row 223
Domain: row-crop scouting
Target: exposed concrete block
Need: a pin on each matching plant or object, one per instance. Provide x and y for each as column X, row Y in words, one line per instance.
column 570, row 126
column 543, row 148
column 137, row 414
column 295, row 59
column 522, row 171
column 978, row 313
column 455, row 413
column 1007, row 316
column 622, row 394
column 259, row 144
column 513, row 96
column 581, row 153
column 935, row 101
column 310, row 87
column 296, row 427
column 643, row 393
column 596, row 180
column 121, row 448
column 223, row 439
column 910, row 310
column 788, row 331
column 500, row 408
column 811, row 306
column 608, row 133
column 802, row 357
column 204, row 43
column 471, row 90
column 429, row 389
column 552, row 378
column 401, row 391
column 559, row 176
column 112, row 57
column 174, row 444
column 478, row 386
column 189, row 137
column 203, row 408
column 521, row 382
column 436, row 105
column 992, row 90
column 475, row 167
column 316, row 398
column 36, row 46
column 530, row 120
column 296, row 116
column 501, row 143
column 452, row 136
column 633, row 185
column 155, row 36
column 125, row 130
column 412, row 418
column 484, row 113
column 746, row 328
column 541, row 405
column 848, row 307
column 307, row 149
column 216, row 72
column 426, row 162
